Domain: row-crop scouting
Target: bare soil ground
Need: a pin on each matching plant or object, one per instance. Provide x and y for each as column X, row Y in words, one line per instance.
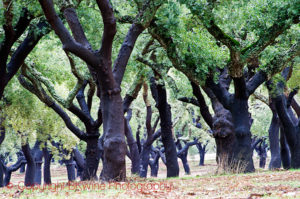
column 202, row 183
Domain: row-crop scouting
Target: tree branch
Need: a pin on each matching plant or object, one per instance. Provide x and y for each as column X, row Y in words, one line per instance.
column 202, row 105
column 76, row 28
column 277, row 64
column 261, row 98
column 142, row 21
column 18, row 57
column 69, row 44
column 41, row 94
column 283, row 22
column 291, row 96
column 133, row 91
column 110, row 29
column 220, row 92
column 190, row 100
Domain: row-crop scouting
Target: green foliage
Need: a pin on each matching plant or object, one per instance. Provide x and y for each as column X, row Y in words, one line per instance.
column 198, row 52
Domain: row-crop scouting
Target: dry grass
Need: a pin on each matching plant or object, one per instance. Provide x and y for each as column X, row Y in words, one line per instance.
column 203, row 183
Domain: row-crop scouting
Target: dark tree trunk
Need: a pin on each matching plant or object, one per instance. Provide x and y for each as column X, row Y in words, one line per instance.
column 202, row 151
column 290, row 128
column 154, row 162
column 144, row 160
column 183, row 154
column 223, row 132
column 262, row 162
column 132, row 144
column 47, row 163
column 7, row 177
column 262, row 150
column 202, row 158
column 79, row 171
column 296, row 107
column 114, row 144
column 221, row 124
column 2, row 130
column 154, row 169
column 38, row 172
column 2, row 137
column 202, row 105
column 92, row 160
column 242, row 152
column 31, row 167
column 13, row 168
column 224, row 153
column 70, row 164
column 80, row 162
column 100, row 148
column 237, row 104
column 160, row 95
column 38, row 158
column 151, row 136
column 185, row 164
column 134, row 151
column 2, row 172
column 284, row 151
column 275, row 162
column 108, row 80
column 147, row 149
column 22, row 168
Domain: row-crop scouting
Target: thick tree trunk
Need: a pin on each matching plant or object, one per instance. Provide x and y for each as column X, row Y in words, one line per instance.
column 114, row 141
column 225, row 140
column 223, row 132
column 275, row 162
column 7, row 177
column 79, row 171
column 92, row 159
column 242, row 152
column 166, row 129
column 284, row 151
column 47, row 163
column 80, row 162
column 38, row 158
column 31, row 167
column 289, row 129
column 168, row 142
column 38, row 172
column 70, row 164
column 224, row 153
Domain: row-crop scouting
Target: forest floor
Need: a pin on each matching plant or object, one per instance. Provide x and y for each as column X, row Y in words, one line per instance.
column 202, row 183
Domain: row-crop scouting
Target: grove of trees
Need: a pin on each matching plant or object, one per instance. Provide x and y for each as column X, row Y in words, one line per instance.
column 87, row 83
